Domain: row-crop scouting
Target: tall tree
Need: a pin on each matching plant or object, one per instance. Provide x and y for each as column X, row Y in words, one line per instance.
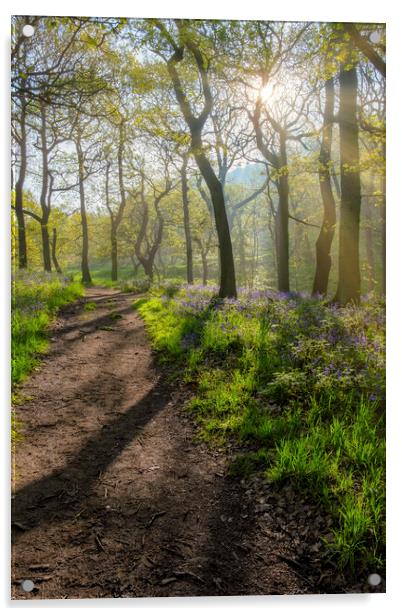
column 20, row 103
column 21, row 138
column 85, row 271
column 148, row 242
column 348, row 289
column 196, row 122
column 116, row 214
column 186, row 218
column 327, row 231
column 279, row 161
column 44, row 195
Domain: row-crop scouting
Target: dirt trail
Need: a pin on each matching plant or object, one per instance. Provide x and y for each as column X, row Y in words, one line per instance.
column 112, row 496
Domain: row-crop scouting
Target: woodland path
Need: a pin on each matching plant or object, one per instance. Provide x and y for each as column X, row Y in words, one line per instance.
column 113, row 495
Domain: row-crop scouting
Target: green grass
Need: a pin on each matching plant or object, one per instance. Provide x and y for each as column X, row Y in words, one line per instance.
column 125, row 283
column 35, row 300
column 300, row 385
column 89, row 306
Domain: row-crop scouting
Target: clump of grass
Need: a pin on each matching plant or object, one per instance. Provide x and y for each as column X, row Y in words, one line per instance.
column 245, row 465
column 115, row 316
column 297, row 381
column 89, row 306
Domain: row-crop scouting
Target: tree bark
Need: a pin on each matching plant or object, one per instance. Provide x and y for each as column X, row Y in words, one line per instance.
column 135, row 264
column 242, row 254
column 227, row 287
column 113, row 252
column 349, row 267
column 122, row 206
column 54, row 252
column 279, row 161
column 326, row 235
column 147, row 259
column 383, row 229
column 85, row 272
column 186, row 220
column 204, row 268
column 272, row 228
column 148, row 266
column 19, row 188
column 113, row 229
column 370, row 249
column 204, row 259
column 47, row 263
column 283, row 220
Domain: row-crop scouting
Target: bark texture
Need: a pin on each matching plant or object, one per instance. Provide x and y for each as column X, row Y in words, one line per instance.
column 186, row 220
column 85, row 272
column 349, row 266
column 326, row 235
column 54, row 252
column 227, row 286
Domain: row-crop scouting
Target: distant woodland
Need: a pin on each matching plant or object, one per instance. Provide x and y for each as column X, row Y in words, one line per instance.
column 243, row 154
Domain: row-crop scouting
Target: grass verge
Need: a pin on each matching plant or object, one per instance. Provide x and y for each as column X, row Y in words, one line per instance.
column 35, row 300
column 300, row 385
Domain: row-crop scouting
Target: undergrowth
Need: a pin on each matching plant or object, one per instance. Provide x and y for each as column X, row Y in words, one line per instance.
column 35, row 300
column 300, row 384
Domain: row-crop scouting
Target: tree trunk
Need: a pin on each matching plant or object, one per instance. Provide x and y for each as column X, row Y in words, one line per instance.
column 326, row 235
column 148, row 266
column 369, row 236
column 383, row 229
column 370, row 251
column 186, row 220
column 147, row 259
column 113, row 229
column 283, row 220
column 227, row 286
column 135, row 265
column 85, row 273
column 204, row 268
column 272, row 227
column 256, row 249
column 47, row 263
column 54, row 252
column 349, row 267
column 113, row 252
column 19, row 198
column 161, row 264
column 242, row 254
column 119, row 216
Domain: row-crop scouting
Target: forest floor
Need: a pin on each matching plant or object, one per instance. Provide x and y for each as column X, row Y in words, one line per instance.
column 115, row 497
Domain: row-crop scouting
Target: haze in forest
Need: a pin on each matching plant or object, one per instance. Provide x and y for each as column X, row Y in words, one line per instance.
column 237, row 153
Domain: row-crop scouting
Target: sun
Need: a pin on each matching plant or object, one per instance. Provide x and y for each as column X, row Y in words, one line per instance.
column 271, row 93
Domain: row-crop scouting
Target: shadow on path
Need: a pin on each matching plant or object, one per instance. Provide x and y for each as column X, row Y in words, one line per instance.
column 37, row 503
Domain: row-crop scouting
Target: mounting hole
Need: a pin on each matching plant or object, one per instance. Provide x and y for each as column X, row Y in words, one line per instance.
column 374, row 579
column 28, row 30
column 27, row 585
column 375, row 37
